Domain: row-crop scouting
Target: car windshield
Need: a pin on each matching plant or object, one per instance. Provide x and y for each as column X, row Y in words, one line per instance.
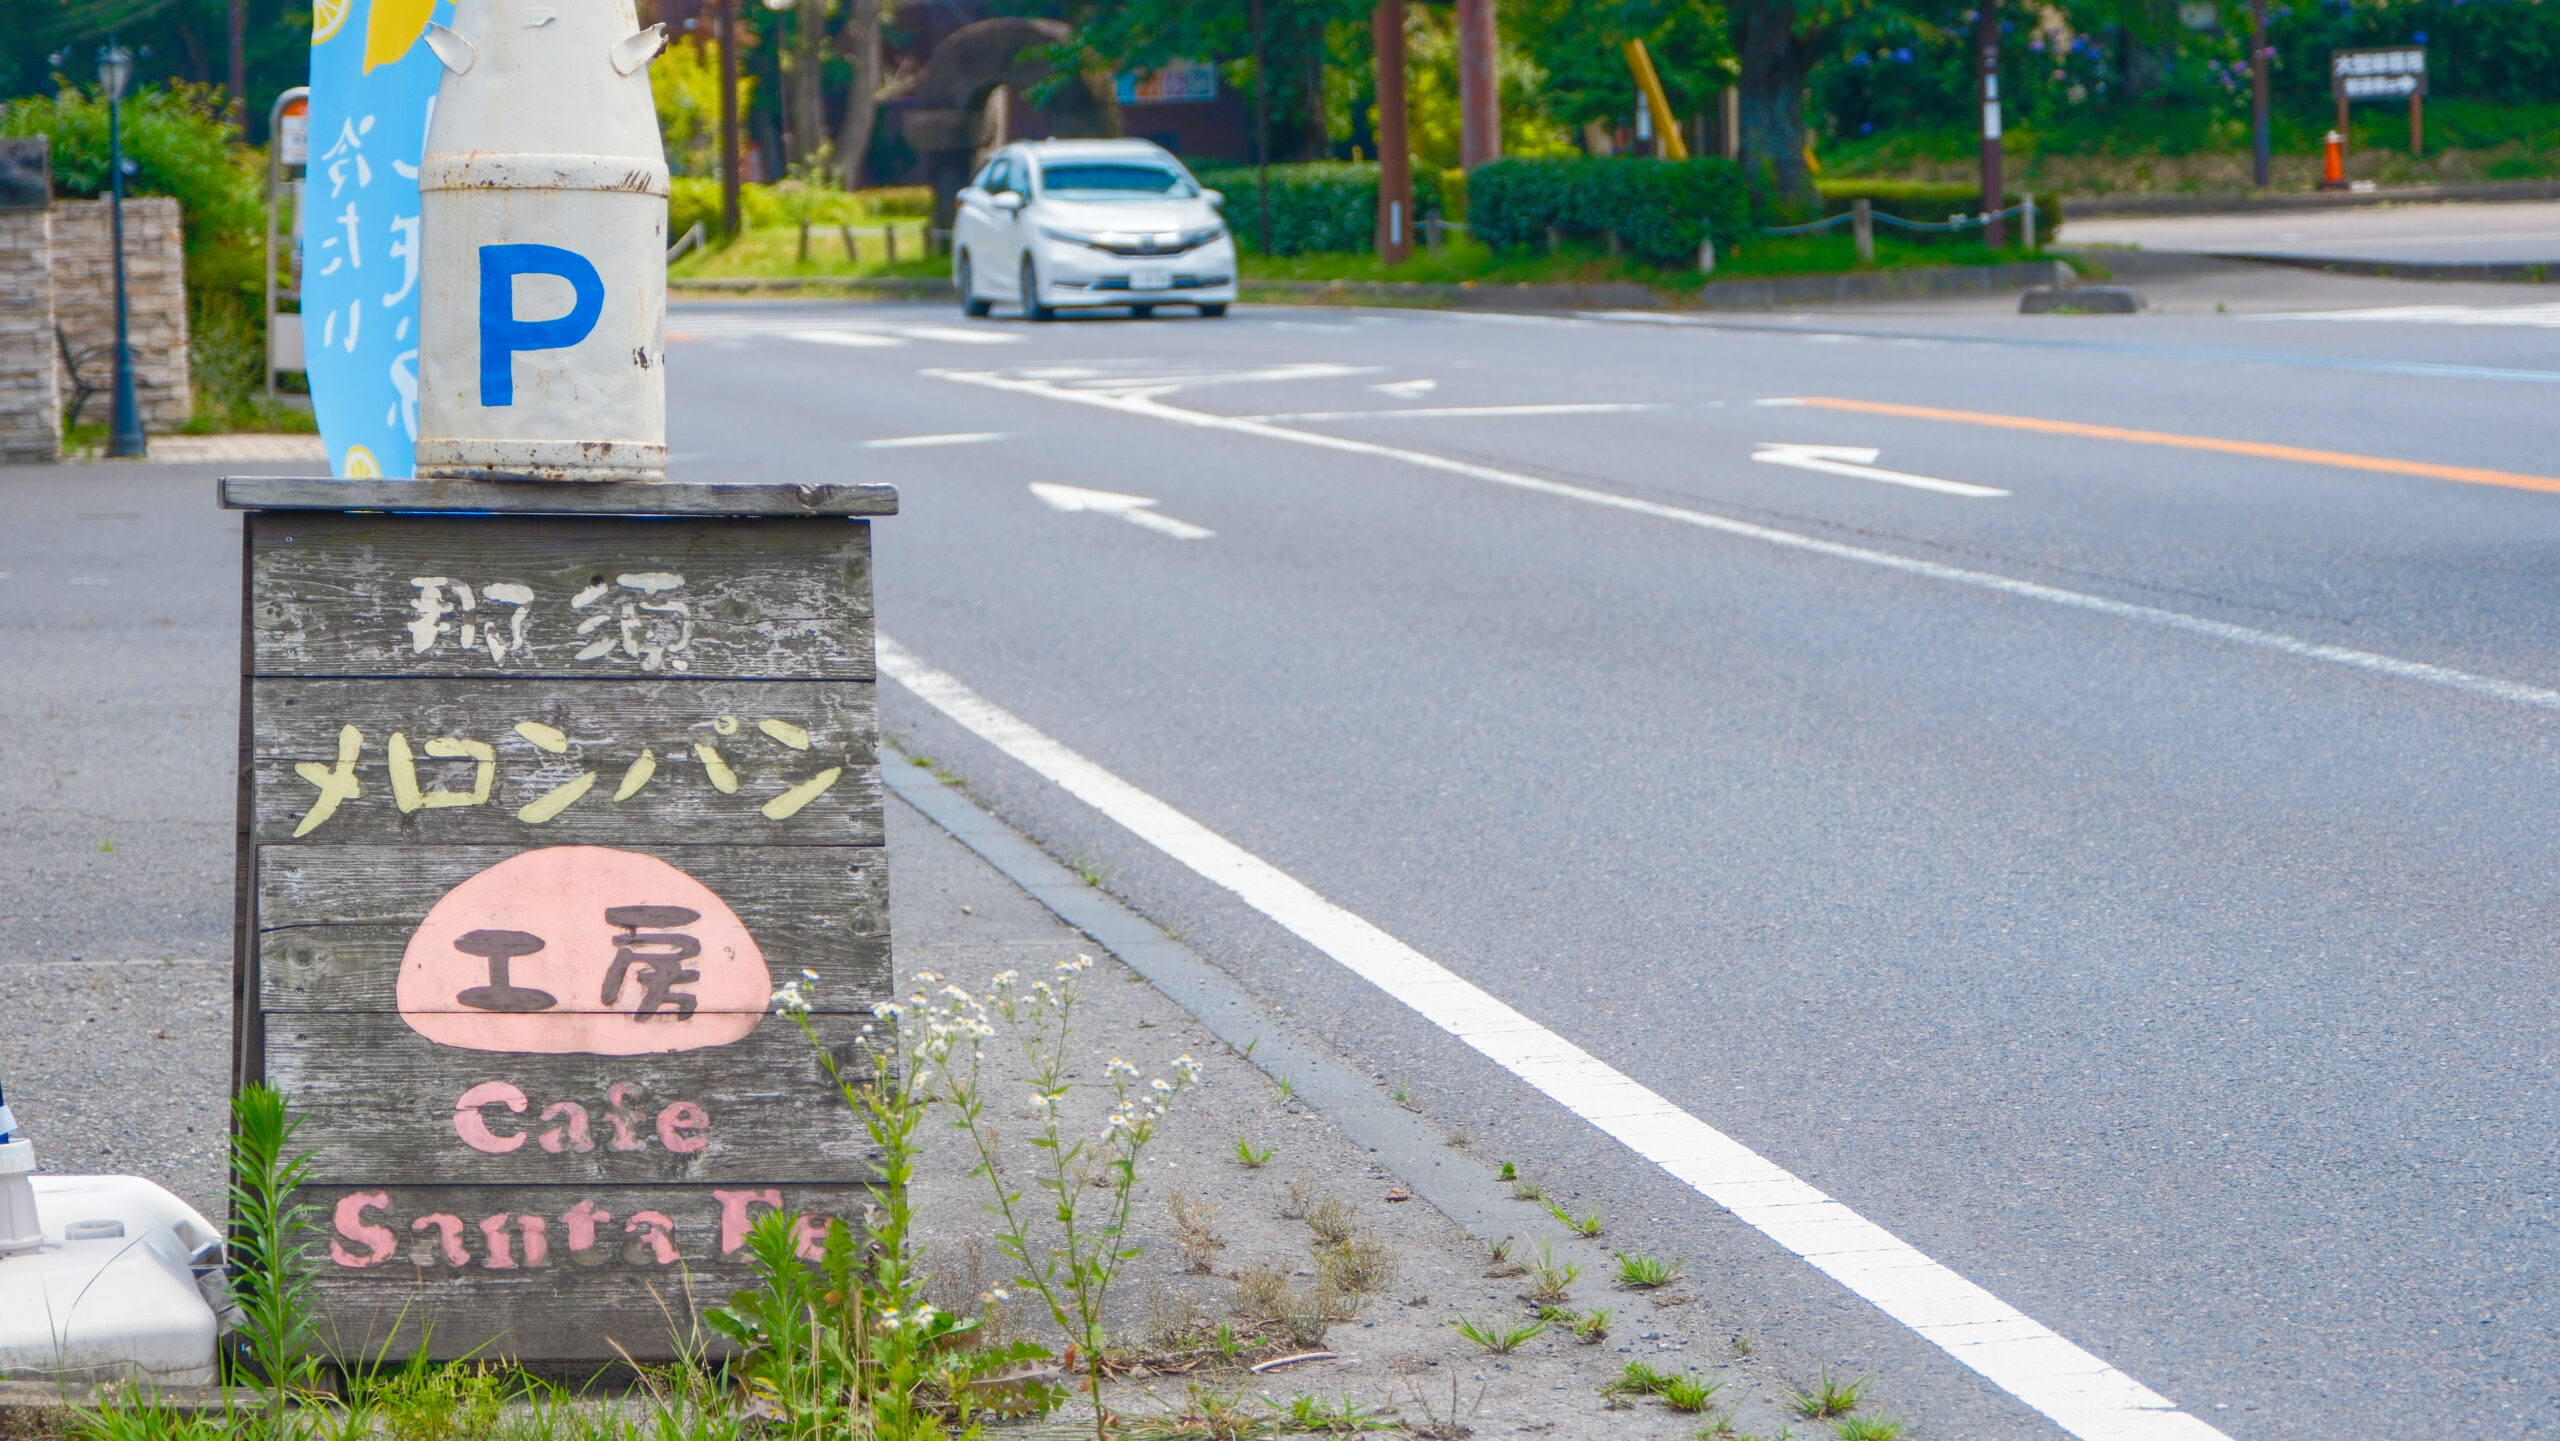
column 1107, row 179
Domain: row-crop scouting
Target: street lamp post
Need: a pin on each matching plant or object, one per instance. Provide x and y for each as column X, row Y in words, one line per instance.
column 115, row 71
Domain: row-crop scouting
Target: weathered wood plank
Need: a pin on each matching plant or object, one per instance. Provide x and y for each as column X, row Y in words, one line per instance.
column 480, row 497
column 521, row 596
column 380, row 1107
column 697, row 762
column 334, row 921
column 578, row 1302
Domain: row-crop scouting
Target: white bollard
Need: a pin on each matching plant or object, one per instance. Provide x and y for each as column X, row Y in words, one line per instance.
column 543, row 211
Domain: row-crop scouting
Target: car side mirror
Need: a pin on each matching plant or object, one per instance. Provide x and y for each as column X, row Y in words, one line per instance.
column 1214, row 197
column 1010, row 200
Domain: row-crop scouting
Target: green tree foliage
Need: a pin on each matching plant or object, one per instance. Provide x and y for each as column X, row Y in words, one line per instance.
column 181, row 144
column 1296, row 42
column 1581, row 48
column 172, row 40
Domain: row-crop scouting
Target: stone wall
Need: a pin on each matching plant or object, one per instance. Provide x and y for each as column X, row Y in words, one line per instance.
column 30, row 402
column 84, row 300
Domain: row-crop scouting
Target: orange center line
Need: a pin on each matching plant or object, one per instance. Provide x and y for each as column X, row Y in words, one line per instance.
column 2468, row 475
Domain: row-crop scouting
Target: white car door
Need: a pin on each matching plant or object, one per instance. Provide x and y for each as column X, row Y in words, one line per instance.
column 1007, row 184
column 972, row 228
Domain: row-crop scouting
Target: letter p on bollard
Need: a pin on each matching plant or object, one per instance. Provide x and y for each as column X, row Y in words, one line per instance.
column 503, row 332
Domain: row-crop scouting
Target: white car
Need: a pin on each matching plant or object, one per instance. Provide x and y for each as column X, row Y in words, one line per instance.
column 1053, row 224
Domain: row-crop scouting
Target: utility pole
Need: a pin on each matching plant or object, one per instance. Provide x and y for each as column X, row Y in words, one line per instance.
column 1995, row 227
column 1479, row 84
column 725, row 31
column 1262, row 124
column 2258, row 136
column 1395, row 152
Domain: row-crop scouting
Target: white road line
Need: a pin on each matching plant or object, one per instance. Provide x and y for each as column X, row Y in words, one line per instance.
column 1856, row 460
column 1135, row 509
column 2446, row 676
column 857, row 339
column 959, row 336
column 2080, row 1393
column 912, row 442
column 2545, row 314
column 1454, row 412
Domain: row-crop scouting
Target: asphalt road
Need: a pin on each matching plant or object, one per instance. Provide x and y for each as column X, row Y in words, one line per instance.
column 2514, row 233
column 2191, row 995
column 2188, row 992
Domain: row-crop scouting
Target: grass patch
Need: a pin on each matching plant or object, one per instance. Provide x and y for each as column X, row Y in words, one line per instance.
column 772, row 252
column 1581, row 262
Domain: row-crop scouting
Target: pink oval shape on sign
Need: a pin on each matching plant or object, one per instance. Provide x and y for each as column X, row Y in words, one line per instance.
column 583, row 950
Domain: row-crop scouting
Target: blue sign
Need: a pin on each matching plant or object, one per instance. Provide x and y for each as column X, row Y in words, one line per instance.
column 372, row 89
column 502, row 334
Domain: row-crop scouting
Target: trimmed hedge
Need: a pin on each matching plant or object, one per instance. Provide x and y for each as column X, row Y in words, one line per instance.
column 1660, row 209
column 1325, row 206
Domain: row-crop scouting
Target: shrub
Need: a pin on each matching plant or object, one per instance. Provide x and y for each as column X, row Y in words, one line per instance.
column 1329, row 205
column 1659, row 209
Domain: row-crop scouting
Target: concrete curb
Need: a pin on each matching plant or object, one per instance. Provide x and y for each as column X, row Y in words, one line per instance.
column 2524, row 272
column 1879, row 285
column 2094, row 207
column 1403, row 1142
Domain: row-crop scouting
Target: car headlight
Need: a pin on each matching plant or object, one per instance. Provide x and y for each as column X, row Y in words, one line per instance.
column 1071, row 237
column 1204, row 236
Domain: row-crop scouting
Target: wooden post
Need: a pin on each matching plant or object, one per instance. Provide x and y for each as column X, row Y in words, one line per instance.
column 1395, row 150
column 1479, row 84
column 544, row 789
column 2417, row 122
column 1862, row 228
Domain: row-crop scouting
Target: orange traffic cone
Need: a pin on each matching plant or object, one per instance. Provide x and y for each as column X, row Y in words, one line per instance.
column 2333, row 170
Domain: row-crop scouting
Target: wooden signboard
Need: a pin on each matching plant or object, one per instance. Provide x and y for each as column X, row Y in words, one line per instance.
column 537, row 809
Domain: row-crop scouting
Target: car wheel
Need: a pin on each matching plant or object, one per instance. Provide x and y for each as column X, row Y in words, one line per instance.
column 1213, row 310
column 1031, row 306
column 970, row 304
column 1141, row 312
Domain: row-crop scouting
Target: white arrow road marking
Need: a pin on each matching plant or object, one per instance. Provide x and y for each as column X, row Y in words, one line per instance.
column 2082, row 1394
column 859, row 339
column 910, row 442
column 1407, row 389
column 1859, row 461
column 1131, row 508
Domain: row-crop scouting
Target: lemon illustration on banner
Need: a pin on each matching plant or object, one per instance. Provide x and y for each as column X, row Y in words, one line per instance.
column 360, row 463
column 327, row 16
column 390, row 28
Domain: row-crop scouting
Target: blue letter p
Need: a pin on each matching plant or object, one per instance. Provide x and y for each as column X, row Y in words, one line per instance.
column 502, row 334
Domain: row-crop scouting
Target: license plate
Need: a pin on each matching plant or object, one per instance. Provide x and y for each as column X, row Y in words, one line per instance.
column 1151, row 277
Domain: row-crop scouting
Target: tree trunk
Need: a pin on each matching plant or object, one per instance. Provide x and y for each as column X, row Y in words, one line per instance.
column 1775, row 59
column 1314, row 144
column 1479, row 83
column 862, row 103
column 808, row 97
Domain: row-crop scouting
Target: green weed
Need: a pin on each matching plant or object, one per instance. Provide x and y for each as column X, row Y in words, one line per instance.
column 1828, row 1397
column 1644, row 1273
column 1497, row 1338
